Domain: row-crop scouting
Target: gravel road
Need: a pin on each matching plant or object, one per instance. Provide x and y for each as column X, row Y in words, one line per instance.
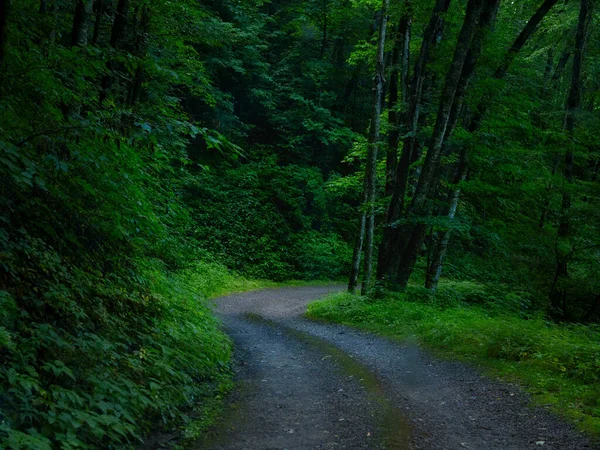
column 307, row 385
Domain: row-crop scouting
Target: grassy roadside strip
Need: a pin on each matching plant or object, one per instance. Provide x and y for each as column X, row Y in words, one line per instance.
column 195, row 286
column 208, row 281
column 558, row 364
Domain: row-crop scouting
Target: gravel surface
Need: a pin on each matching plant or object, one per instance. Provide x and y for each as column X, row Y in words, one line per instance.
column 307, row 385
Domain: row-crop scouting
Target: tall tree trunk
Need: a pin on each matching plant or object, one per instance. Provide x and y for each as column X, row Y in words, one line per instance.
column 360, row 234
column 81, row 22
column 388, row 259
column 479, row 16
column 371, row 171
column 358, row 248
column 573, row 106
column 120, row 23
column 398, row 93
column 116, row 36
column 4, row 10
column 98, row 22
column 442, row 239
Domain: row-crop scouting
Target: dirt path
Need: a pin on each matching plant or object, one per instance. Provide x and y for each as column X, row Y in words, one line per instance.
column 305, row 385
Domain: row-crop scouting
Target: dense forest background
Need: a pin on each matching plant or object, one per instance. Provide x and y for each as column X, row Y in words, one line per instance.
column 148, row 149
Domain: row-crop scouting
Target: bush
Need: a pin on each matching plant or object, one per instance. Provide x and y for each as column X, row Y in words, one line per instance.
column 100, row 384
column 322, row 256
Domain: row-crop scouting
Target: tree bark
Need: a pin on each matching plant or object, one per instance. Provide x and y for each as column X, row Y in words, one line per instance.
column 453, row 79
column 398, row 93
column 117, row 34
column 81, row 22
column 573, row 106
column 442, row 239
column 120, row 24
column 358, row 247
column 98, row 22
column 371, row 171
column 479, row 16
column 388, row 259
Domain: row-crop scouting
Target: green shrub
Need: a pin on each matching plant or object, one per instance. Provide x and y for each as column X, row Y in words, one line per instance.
column 93, row 385
column 321, row 256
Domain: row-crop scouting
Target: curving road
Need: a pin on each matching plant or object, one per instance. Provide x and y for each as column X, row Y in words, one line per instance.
column 306, row 385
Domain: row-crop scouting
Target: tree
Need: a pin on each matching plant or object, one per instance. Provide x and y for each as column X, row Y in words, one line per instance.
column 367, row 218
column 388, row 257
column 81, row 22
column 410, row 236
column 573, row 105
column 442, row 239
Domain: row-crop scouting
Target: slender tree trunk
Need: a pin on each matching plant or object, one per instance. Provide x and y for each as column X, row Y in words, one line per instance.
column 453, row 79
column 43, row 6
column 360, row 233
column 4, row 10
column 117, row 34
column 388, row 258
column 398, row 92
column 479, row 16
column 120, row 23
column 81, row 21
column 558, row 293
column 371, row 171
column 98, row 22
column 442, row 239
column 358, row 247
column 391, row 160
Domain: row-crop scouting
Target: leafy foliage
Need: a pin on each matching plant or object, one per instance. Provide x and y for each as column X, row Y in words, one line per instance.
column 134, row 177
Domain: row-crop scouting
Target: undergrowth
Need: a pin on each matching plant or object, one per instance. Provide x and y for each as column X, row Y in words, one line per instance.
column 107, row 380
column 558, row 364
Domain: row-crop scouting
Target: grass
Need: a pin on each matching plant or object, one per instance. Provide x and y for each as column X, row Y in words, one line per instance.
column 558, row 364
column 214, row 280
column 210, row 280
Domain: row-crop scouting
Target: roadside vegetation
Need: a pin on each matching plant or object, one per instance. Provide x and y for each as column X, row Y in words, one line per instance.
column 559, row 364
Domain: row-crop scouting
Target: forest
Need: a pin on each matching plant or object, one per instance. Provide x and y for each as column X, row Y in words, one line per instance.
column 439, row 156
